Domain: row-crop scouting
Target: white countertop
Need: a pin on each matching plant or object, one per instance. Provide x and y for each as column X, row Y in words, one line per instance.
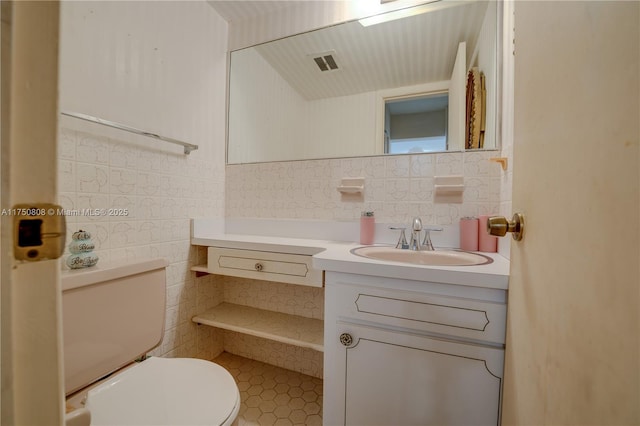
column 336, row 256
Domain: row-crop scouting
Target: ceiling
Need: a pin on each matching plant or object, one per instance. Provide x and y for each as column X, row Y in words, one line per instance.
column 398, row 53
column 238, row 10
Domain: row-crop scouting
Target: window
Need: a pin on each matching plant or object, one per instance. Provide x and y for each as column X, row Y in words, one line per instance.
column 416, row 124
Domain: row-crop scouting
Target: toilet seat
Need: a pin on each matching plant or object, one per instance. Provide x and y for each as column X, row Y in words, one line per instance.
column 166, row 391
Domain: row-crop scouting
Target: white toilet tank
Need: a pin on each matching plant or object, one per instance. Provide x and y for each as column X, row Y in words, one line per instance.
column 112, row 314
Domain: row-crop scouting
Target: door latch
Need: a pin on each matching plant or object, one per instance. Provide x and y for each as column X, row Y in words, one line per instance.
column 39, row 231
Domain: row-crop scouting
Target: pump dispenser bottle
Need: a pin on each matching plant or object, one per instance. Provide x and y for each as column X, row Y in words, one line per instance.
column 367, row 228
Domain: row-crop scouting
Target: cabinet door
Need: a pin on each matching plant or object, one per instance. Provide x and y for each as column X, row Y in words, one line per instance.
column 459, row 317
column 394, row 378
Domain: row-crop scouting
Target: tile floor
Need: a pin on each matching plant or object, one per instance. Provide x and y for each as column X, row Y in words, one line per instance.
column 272, row 395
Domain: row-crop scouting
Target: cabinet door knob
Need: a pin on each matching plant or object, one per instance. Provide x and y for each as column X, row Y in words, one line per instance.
column 258, row 266
column 346, row 339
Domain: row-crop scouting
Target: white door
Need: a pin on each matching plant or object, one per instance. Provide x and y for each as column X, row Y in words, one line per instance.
column 32, row 387
column 573, row 328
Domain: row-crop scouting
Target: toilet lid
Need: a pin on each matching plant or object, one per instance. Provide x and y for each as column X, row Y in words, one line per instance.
column 166, row 391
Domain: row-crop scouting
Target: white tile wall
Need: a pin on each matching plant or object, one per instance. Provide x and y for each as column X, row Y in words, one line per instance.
column 280, row 297
column 396, row 188
column 127, row 62
column 291, row 299
column 158, row 207
column 303, row 360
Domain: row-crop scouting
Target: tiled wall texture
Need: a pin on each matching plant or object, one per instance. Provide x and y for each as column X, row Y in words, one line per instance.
column 119, row 62
column 153, row 187
column 304, row 301
column 291, row 299
column 302, row 360
column 396, row 188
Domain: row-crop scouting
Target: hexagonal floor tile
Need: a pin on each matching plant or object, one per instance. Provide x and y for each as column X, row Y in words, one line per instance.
column 273, row 395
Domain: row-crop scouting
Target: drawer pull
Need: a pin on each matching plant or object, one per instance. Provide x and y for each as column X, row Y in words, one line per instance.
column 258, row 266
column 346, row 339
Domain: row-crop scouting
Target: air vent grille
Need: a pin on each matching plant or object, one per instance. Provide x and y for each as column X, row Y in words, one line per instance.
column 326, row 62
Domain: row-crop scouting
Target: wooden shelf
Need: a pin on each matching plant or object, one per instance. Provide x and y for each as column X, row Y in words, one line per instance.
column 200, row 270
column 291, row 329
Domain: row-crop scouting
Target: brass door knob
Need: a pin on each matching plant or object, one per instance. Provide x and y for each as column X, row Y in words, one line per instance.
column 499, row 225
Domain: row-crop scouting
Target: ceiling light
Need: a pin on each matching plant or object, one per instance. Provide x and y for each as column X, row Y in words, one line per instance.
column 409, row 11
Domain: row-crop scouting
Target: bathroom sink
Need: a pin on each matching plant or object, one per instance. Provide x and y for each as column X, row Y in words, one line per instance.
column 431, row 258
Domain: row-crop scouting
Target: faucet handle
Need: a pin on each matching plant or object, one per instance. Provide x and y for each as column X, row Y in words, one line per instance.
column 426, row 243
column 433, row 228
column 402, row 241
column 417, row 224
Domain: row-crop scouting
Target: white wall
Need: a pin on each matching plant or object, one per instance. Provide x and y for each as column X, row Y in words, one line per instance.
column 161, row 67
column 263, row 130
column 284, row 126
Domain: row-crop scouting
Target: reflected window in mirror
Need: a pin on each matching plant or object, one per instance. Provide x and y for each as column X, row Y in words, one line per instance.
column 416, row 124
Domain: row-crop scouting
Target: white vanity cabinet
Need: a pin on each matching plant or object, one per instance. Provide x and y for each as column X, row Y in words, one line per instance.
column 401, row 352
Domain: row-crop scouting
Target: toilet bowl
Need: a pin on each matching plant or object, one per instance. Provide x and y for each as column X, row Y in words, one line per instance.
column 163, row 391
column 114, row 313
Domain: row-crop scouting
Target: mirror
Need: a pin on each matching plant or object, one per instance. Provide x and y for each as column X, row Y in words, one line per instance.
column 334, row 92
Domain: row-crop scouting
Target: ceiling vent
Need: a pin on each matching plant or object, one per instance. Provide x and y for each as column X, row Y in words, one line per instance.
column 325, row 61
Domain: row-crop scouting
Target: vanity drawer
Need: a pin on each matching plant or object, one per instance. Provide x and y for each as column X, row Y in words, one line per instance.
column 261, row 265
column 451, row 316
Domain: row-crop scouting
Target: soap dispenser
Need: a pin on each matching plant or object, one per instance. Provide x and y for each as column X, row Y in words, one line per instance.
column 367, row 228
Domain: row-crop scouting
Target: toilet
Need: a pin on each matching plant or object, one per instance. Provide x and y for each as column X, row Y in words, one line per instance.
column 112, row 315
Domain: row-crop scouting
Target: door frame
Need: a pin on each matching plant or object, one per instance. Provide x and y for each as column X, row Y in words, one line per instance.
column 31, row 353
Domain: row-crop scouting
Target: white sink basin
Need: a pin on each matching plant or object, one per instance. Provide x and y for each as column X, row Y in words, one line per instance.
column 431, row 258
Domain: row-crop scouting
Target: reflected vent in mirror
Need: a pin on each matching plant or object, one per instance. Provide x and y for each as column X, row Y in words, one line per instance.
column 325, row 61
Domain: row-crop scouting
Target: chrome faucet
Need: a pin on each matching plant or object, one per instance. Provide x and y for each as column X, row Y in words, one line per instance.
column 416, row 230
column 414, row 242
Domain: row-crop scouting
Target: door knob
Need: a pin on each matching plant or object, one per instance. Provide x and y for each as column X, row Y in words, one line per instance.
column 499, row 225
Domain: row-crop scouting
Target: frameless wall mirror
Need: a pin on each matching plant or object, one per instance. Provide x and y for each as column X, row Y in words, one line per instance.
column 362, row 88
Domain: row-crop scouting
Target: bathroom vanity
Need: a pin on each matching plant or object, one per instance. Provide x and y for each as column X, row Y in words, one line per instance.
column 409, row 344
column 403, row 344
column 267, row 259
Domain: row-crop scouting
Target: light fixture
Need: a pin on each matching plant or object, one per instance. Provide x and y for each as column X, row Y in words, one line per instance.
column 410, row 11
